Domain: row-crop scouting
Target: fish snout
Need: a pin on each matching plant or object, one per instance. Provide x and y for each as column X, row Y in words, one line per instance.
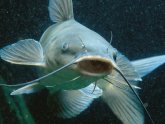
column 95, row 65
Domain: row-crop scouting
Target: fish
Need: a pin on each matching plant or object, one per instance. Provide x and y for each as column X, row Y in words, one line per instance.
column 77, row 65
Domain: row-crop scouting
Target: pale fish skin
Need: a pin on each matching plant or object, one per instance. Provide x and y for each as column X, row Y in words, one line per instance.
column 91, row 61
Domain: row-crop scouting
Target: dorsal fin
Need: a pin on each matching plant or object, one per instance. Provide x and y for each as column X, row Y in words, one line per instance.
column 60, row 10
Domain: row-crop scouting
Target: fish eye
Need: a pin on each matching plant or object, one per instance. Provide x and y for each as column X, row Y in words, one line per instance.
column 65, row 47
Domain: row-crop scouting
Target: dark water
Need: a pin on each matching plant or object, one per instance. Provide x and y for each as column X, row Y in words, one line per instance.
column 138, row 28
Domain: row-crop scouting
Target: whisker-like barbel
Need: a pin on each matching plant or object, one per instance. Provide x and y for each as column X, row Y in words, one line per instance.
column 148, row 114
column 95, row 59
column 38, row 79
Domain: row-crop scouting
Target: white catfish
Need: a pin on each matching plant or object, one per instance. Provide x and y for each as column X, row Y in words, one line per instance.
column 77, row 65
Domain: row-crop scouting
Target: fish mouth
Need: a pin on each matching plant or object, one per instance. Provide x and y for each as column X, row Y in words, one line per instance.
column 95, row 65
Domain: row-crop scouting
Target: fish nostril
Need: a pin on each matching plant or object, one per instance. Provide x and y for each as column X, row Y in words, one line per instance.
column 114, row 56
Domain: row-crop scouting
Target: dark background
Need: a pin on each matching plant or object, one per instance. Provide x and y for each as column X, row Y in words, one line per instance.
column 138, row 28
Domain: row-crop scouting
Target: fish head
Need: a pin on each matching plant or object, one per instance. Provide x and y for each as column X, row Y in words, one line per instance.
column 87, row 58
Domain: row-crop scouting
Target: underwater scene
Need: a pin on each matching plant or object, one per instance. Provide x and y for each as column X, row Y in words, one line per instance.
column 82, row 61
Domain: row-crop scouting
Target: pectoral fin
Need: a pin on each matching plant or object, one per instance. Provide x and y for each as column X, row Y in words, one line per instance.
column 25, row 52
column 31, row 88
column 145, row 66
column 60, row 10
column 70, row 103
column 123, row 103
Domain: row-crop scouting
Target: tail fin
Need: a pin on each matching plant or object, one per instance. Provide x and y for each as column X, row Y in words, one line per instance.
column 60, row 10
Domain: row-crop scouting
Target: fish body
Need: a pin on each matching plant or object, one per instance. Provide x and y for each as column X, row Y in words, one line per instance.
column 78, row 65
column 79, row 40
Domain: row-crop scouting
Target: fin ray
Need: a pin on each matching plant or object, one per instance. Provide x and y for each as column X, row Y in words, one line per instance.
column 26, row 52
column 70, row 103
column 89, row 91
column 123, row 103
column 147, row 65
column 60, row 10
column 127, row 68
